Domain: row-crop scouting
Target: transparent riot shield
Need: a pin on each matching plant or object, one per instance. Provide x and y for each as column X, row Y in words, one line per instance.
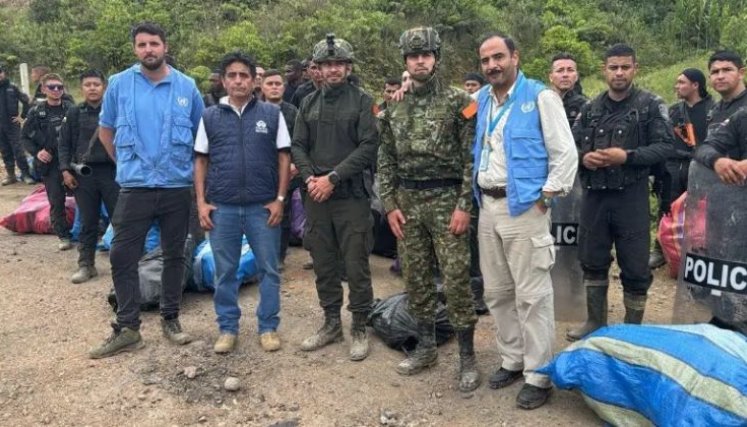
column 712, row 281
column 567, row 276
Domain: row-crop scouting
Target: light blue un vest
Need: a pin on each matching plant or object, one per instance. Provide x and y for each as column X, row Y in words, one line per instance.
column 174, row 167
column 523, row 143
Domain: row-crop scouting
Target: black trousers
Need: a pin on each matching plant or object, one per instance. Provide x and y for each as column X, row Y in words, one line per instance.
column 341, row 230
column 619, row 217
column 136, row 210
column 92, row 190
column 56, row 195
column 11, row 149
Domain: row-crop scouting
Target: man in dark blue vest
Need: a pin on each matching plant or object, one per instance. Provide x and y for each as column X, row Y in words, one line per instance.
column 242, row 170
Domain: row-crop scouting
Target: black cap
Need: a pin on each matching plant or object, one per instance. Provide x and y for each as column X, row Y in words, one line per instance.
column 697, row 76
column 474, row 77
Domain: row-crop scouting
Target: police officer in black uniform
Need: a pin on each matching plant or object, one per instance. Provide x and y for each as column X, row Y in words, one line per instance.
column 564, row 80
column 11, row 118
column 727, row 71
column 688, row 117
column 79, row 145
column 620, row 134
column 39, row 137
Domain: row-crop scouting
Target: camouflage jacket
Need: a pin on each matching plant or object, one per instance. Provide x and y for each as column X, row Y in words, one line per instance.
column 428, row 135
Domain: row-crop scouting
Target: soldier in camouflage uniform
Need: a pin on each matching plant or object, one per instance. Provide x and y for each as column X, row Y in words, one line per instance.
column 424, row 168
column 334, row 148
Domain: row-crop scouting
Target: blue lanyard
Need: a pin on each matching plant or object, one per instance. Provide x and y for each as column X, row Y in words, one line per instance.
column 494, row 123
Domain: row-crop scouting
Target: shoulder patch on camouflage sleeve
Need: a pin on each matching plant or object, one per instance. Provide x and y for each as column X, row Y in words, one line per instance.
column 469, row 111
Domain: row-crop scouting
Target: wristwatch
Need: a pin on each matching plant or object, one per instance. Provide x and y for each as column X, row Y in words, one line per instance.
column 280, row 199
column 334, row 178
column 547, row 201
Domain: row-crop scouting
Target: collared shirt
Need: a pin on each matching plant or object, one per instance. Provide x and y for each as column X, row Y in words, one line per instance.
column 282, row 140
column 151, row 102
column 557, row 136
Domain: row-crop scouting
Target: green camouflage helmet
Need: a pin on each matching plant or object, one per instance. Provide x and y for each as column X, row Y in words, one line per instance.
column 333, row 49
column 420, row 40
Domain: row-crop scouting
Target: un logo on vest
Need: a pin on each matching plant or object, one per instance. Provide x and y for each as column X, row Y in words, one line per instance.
column 261, row 127
column 527, row 107
column 182, row 101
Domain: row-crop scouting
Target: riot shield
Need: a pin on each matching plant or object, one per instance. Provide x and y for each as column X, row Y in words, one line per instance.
column 712, row 281
column 567, row 276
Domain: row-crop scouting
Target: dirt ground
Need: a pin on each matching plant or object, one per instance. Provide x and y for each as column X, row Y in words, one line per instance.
column 48, row 324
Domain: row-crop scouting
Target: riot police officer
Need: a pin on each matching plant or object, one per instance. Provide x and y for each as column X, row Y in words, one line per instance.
column 39, row 137
column 10, row 129
column 425, row 172
column 334, row 147
column 620, row 135
column 563, row 79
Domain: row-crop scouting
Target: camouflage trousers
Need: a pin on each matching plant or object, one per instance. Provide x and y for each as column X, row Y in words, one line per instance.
column 427, row 241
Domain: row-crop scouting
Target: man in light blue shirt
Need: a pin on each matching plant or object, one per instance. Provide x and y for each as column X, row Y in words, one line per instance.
column 148, row 122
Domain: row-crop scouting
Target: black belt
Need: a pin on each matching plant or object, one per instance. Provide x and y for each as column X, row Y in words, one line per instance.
column 496, row 193
column 429, row 184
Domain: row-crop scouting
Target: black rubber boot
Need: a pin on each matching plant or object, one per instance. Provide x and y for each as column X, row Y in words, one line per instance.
column 596, row 309
column 478, row 291
column 425, row 354
column 359, row 346
column 330, row 332
column 635, row 305
column 469, row 376
column 656, row 258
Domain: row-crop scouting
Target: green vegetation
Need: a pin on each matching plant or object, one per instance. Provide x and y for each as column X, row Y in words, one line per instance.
column 71, row 35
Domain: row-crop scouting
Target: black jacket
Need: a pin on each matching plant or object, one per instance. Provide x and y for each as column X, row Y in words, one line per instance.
column 10, row 97
column 75, row 146
column 729, row 140
column 336, row 130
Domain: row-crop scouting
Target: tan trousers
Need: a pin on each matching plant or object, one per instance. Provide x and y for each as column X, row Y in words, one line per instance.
column 516, row 255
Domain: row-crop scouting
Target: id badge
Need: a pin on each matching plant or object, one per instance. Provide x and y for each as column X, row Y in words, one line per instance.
column 484, row 155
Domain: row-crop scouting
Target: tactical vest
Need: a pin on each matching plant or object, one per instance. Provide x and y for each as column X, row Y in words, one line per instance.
column 626, row 130
column 12, row 99
column 49, row 125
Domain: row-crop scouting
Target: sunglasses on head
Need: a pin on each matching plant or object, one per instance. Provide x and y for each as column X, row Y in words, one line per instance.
column 55, row 87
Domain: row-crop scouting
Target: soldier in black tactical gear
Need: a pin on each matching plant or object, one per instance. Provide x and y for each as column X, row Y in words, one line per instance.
column 727, row 78
column 334, row 148
column 619, row 135
column 87, row 169
column 11, row 118
column 39, row 137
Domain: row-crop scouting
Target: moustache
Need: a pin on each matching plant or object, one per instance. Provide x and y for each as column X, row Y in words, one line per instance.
column 493, row 72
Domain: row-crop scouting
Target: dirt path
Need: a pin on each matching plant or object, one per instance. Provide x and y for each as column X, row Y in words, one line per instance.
column 48, row 324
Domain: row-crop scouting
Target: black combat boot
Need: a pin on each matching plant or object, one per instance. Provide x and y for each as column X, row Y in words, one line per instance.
column 330, row 332
column 359, row 346
column 635, row 305
column 478, row 291
column 469, row 376
column 656, row 258
column 425, row 354
column 596, row 309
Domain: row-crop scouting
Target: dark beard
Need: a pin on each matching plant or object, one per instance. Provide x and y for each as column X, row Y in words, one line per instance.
column 153, row 66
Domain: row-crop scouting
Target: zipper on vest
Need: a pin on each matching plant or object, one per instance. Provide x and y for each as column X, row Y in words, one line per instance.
column 243, row 159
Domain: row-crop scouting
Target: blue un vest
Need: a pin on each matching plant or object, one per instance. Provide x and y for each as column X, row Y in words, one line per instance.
column 243, row 153
column 174, row 167
column 523, row 143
